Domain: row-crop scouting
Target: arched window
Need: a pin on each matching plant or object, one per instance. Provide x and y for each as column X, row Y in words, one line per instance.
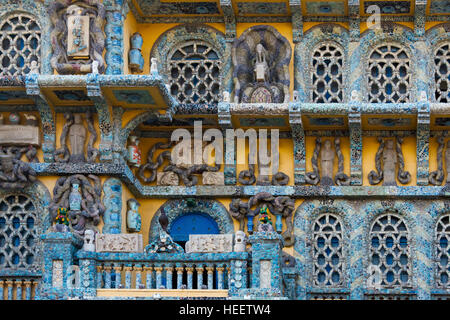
column 328, row 267
column 443, row 252
column 18, row 232
column 389, row 74
column 20, row 44
column 389, row 251
column 442, row 73
column 194, row 73
column 327, row 62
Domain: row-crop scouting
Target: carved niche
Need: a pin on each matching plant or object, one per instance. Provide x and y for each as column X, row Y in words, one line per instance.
column 75, row 131
column 261, row 58
column 388, row 158
column 77, row 36
column 327, row 155
column 83, row 199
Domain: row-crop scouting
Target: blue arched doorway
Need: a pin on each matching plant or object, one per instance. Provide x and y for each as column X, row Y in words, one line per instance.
column 192, row 223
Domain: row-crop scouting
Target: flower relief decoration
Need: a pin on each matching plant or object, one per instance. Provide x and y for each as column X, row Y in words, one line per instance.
column 81, row 198
column 76, row 133
column 77, row 36
column 261, row 58
column 263, row 203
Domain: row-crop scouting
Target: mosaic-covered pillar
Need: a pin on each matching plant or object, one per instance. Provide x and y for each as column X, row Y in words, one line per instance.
column 423, row 141
column 58, row 253
column 88, row 273
column 298, row 137
column 116, row 11
column 354, row 123
column 112, row 200
column 224, row 116
column 357, row 255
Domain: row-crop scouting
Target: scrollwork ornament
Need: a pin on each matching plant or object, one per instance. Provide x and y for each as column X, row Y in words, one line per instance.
column 375, row 177
column 341, row 179
column 314, row 176
column 436, row 177
column 402, row 176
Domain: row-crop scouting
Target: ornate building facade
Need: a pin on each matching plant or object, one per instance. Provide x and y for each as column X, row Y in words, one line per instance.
column 94, row 204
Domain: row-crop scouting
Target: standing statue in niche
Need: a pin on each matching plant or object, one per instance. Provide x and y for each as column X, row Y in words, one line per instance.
column 261, row 67
column 388, row 156
column 324, row 175
column 134, row 219
column 327, row 163
column 77, row 134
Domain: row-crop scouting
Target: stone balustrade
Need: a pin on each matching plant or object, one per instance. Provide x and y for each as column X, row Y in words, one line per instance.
column 18, row 288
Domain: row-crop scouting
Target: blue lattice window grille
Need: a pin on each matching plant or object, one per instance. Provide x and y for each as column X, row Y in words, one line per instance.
column 327, row 251
column 442, row 73
column 442, row 251
column 327, row 62
column 194, row 73
column 390, row 251
column 388, row 74
column 20, row 44
column 18, row 232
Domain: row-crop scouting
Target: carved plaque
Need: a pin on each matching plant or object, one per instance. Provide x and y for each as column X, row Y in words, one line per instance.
column 78, row 36
column 19, row 135
column 121, row 242
column 213, row 178
column 209, row 243
column 265, row 274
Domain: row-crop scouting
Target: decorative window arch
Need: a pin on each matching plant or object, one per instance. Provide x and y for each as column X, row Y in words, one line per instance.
column 19, row 232
column 20, row 44
column 441, row 64
column 389, row 251
column 442, row 251
column 327, row 251
column 327, row 65
column 194, row 72
column 389, row 74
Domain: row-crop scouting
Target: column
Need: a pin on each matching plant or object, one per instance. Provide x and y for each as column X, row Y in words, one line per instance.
column 138, row 270
column 99, row 276
column 108, row 277
column 116, row 10
column 10, row 288
column 117, row 272
column 220, row 277
column 199, row 270
column 179, row 276
column 148, row 277
column 18, row 289
column 127, row 277
column 27, row 289
column 169, row 275
column 158, row 277
column 210, row 270
column 190, row 271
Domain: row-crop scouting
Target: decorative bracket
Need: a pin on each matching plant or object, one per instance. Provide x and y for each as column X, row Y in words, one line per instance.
column 104, row 116
column 298, row 136
column 47, row 117
column 297, row 20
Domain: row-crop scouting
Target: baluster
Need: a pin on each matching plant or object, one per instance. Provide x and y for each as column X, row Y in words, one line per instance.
column 158, row 276
column 190, row 271
column 18, row 289
column 2, row 293
column 28, row 290
column 108, row 277
column 118, row 273
column 99, row 276
column 228, row 277
column 138, row 270
column 220, row 277
column 128, row 277
column 33, row 288
column 148, row 276
column 210, row 270
column 169, row 275
column 199, row 270
column 179, row 276
column 9, row 285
